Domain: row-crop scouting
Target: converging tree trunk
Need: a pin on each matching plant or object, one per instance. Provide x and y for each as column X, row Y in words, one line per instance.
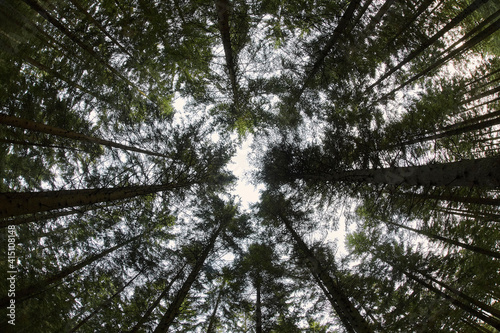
column 19, row 203
column 174, row 307
column 347, row 312
column 483, row 172
column 60, row 132
column 39, row 287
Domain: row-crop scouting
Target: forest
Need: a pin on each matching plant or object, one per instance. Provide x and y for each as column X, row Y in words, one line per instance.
column 375, row 120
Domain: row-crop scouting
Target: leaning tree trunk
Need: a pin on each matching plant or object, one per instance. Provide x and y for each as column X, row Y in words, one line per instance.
column 60, row 132
column 446, row 240
column 223, row 8
column 154, row 305
column 212, row 321
column 39, row 287
column 483, row 172
column 347, row 312
column 102, row 305
column 174, row 308
column 20, row 203
column 258, row 308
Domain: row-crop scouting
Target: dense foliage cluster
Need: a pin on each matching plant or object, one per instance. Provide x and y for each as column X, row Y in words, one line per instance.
column 119, row 120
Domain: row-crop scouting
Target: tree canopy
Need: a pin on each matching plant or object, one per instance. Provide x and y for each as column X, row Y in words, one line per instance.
column 377, row 121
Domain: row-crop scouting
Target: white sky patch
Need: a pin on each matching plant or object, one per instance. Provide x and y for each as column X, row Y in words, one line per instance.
column 241, row 168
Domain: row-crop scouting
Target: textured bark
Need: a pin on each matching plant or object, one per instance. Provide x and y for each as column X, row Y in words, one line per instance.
column 484, row 172
column 60, row 132
column 39, row 287
column 174, row 307
column 19, row 203
column 347, row 312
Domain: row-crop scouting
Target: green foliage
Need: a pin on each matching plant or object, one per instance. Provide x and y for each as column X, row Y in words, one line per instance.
column 334, row 94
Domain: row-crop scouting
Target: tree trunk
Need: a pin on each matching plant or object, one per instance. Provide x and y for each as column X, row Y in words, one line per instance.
column 60, row 132
column 487, row 32
column 378, row 16
column 473, row 248
column 211, row 322
column 258, row 308
column 46, row 15
column 455, row 21
column 40, row 287
column 102, row 305
column 347, row 312
column 339, row 30
column 174, row 308
column 223, row 8
column 480, row 315
column 154, row 305
column 483, row 172
column 20, row 203
column 100, row 27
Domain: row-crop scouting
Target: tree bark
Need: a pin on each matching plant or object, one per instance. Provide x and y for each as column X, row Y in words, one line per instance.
column 154, row 305
column 20, row 203
column 258, row 309
column 102, row 305
column 483, row 172
column 174, row 307
column 473, row 248
column 60, row 132
column 347, row 312
column 39, row 287
column 223, row 8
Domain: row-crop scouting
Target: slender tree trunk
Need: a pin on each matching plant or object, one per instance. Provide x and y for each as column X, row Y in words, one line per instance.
column 51, row 215
column 212, row 321
column 467, row 45
column 481, row 95
column 102, row 305
column 20, row 203
column 378, row 16
column 451, row 198
column 154, row 305
column 56, row 23
column 258, row 308
column 347, row 312
column 456, row 130
column 339, row 30
column 100, row 27
column 174, row 307
column 483, row 172
column 473, row 248
column 485, row 307
column 39, row 287
column 223, row 8
column 423, row 6
column 455, row 21
column 60, row 132
column 486, row 318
